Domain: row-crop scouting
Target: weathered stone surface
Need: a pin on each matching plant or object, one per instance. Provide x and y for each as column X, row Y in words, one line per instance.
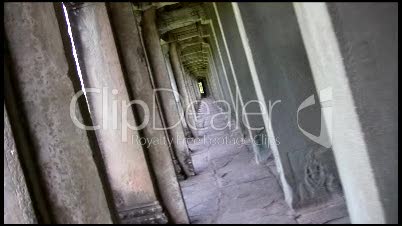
column 190, row 110
column 218, row 46
column 232, row 188
column 213, row 78
column 332, row 212
column 144, row 214
column 335, row 61
column 177, row 95
column 124, row 158
column 246, row 93
column 360, row 65
column 368, row 39
column 178, row 75
column 217, row 62
column 162, row 81
column 279, row 61
column 17, row 202
column 186, row 14
column 72, row 182
column 139, row 80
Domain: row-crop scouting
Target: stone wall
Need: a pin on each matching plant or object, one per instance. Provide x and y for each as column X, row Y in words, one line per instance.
column 360, row 65
column 308, row 171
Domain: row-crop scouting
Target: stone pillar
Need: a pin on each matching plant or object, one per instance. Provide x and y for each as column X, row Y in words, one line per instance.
column 208, row 86
column 190, row 87
column 140, row 85
column 215, row 75
column 220, row 88
column 278, row 66
column 191, row 116
column 250, row 111
column 180, row 80
column 126, row 165
column 360, row 66
column 190, row 110
column 40, row 76
column 17, row 202
column 218, row 64
column 194, row 85
column 178, row 74
column 216, row 86
column 196, row 93
column 214, row 92
column 161, row 79
column 218, row 46
column 177, row 95
column 178, row 105
column 188, row 84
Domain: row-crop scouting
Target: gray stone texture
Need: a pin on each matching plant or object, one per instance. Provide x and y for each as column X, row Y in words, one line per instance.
column 176, row 93
column 368, row 39
column 224, row 58
column 17, row 202
column 126, row 166
column 231, row 188
column 267, row 52
column 360, row 65
column 162, row 81
column 71, row 180
column 284, row 74
column 251, row 124
column 178, row 75
column 138, row 77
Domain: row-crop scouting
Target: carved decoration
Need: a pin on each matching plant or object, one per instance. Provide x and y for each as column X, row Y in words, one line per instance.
column 146, row 214
column 319, row 180
column 314, row 175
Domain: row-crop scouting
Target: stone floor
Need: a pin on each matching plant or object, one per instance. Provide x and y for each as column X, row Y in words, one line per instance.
column 231, row 188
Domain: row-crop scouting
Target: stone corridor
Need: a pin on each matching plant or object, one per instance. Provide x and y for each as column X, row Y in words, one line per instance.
column 229, row 187
column 290, row 112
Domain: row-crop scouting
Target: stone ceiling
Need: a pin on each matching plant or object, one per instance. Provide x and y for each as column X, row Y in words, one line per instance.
column 186, row 24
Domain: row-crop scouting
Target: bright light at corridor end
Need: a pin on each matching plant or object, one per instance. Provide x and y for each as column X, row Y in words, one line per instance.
column 200, row 87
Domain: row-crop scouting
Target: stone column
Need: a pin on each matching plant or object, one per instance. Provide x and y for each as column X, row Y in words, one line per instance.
column 177, row 95
column 217, row 64
column 250, row 112
column 140, row 85
column 213, row 92
column 360, row 68
column 161, row 79
column 195, row 87
column 17, row 202
column 191, row 117
column 215, row 77
column 222, row 60
column 69, row 177
column 220, row 77
column 180, row 80
column 212, row 83
column 190, row 110
column 277, row 65
column 174, row 59
column 190, row 88
column 126, row 165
